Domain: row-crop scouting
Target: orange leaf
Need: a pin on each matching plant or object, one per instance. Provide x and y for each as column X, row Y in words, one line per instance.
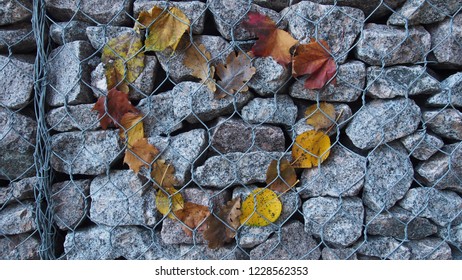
column 132, row 127
column 315, row 60
column 271, row 41
column 141, row 153
column 112, row 108
column 193, row 215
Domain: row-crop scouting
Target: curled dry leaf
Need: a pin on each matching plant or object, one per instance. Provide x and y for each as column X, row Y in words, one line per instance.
column 281, row 176
column 140, row 154
column 163, row 174
column 311, row 148
column 112, row 108
column 271, row 41
column 198, row 61
column 193, row 216
column 222, row 230
column 132, row 128
column 168, row 201
column 321, row 117
column 165, row 26
column 234, row 74
column 260, row 208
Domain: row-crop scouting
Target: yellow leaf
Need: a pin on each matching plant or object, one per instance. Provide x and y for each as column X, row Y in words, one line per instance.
column 321, row 117
column 261, row 208
column 141, row 153
column 197, row 61
column 166, row 27
column 169, row 201
column 132, row 125
column 163, row 174
column 311, row 148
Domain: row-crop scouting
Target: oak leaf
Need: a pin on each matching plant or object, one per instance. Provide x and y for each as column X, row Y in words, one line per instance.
column 281, row 176
column 198, row 61
column 165, row 27
column 310, row 149
column 271, row 41
column 112, row 108
column 169, row 200
column 320, row 117
column 234, row 74
column 163, row 174
column 140, row 154
column 193, row 217
column 132, row 128
column 260, row 208
column 314, row 59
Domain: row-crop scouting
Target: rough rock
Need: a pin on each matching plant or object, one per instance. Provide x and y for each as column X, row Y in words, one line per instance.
column 452, row 235
column 19, row 38
column 172, row 233
column 71, row 203
column 431, row 248
column 422, row 145
column 78, row 117
column 445, row 41
column 14, row 11
column 341, row 174
column 415, row 12
column 202, row 252
column 442, row 207
column 17, row 218
column 398, row 223
column 18, row 191
column 350, row 81
column 443, row 170
column 182, row 151
column 278, row 110
column 235, row 135
column 382, row 121
column 292, row 242
column 339, row 222
column 17, row 134
column 194, row 10
column 19, row 247
column 400, row 81
column 338, row 25
column 68, row 77
column 389, row 176
column 447, row 123
column 100, row 35
column 383, row 248
column 68, row 31
column 270, row 77
column 451, row 92
column 373, row 8
column 115, row 12
column 389, row 45
column 16, row 81
column 121, row 198
column 229, row 15
column 338, row 254
column 86, row 152
column 234, row 169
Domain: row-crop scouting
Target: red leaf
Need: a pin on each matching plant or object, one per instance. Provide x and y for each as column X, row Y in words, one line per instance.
column 117, row 105
column 315, row 60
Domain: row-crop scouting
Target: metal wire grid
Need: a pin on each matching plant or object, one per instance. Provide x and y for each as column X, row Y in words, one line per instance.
column 51, row 231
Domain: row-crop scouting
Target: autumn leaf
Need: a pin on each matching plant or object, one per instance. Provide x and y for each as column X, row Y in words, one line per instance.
column 166, row 27
column 198, row 62
column 132, row 127
column 112, row 108
column 218, row 233
column 163, row 174
column 271, row 41
column 281, row 176
column 234, row 74
column 260, row 208
column 310, row 149
column 321, row 117
column 123, row 61
column 193, row 216
column 140, row 154
column 169, row 200
column 314, row 59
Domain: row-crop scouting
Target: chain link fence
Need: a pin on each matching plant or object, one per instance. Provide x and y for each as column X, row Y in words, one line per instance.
column 387, row 187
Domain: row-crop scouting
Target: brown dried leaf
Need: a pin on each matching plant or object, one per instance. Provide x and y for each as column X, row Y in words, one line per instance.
column 132, row 127
column 283, row 182
column 198, row 62
column 234, row 74
column 140, row 154
column 163, row 174
column 117, row 106
column 193, row 216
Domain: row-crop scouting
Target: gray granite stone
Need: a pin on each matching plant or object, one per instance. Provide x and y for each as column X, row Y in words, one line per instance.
column 389, row 45
column 278, row 110
column 338, row 221
column 18, row 191
column 349, row 85
column 70, row 203
column 19, row 38
column 290, row 243
column 19, row 247
column 121, row 198
column 400, row 81
column 77, row 117
column 451, row 92
column 389, row 176
column 68, row 31
column 16, row 81
column 382, row 121
column 17, row 218
column 415, row 12
column 431, row 248
column 452, row 235
column 445, row 41
column 270, row 77
column 422, row 145
column 338, row 254
column 87, row 152
column 202, row 252
column 447, row 123
column 373, row 9
column 341, row 174
column 68, row 76
column 100, row 35
column 383, row 248
column 14, row 11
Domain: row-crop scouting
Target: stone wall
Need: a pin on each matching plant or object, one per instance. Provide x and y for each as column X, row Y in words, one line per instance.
column 390, row 189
